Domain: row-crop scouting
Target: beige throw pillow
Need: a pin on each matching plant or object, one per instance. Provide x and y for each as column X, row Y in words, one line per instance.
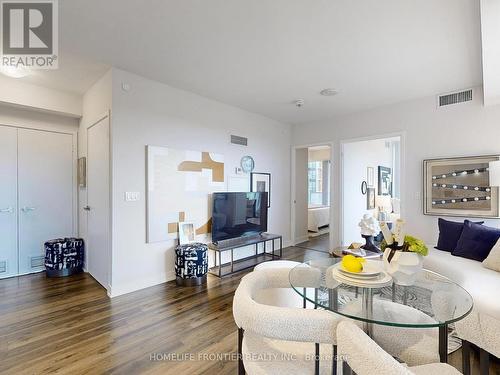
column 493, row 260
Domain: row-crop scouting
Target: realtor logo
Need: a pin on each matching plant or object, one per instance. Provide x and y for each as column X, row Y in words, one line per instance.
column 29, row 34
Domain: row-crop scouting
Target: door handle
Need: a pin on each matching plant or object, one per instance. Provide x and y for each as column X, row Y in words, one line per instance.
column 86, row 208
column 6, row 210
column 28, row 209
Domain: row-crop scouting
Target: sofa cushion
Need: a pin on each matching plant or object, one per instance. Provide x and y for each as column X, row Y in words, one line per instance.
column 481, row 283
column 449, row 234
column 493, row 260
column 476, row 241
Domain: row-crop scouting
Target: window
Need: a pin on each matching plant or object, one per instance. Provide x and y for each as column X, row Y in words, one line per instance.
column 318, row 190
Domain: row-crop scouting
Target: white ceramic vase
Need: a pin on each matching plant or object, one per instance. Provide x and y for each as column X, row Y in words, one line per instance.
column 404, row 266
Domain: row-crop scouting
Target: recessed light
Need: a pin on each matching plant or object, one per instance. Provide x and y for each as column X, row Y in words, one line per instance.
column 14, row 72
column 329, row 92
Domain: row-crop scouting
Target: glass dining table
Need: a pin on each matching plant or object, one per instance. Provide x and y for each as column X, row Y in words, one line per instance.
column 432, row 301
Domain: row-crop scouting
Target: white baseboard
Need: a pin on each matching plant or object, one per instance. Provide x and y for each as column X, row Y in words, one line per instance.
column 136, row 285
column 301, row 239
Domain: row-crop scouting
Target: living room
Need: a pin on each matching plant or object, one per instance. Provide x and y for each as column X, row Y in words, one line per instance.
column 155, row 159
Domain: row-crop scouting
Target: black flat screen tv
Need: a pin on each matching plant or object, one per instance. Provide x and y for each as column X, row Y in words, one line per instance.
column 238, row 214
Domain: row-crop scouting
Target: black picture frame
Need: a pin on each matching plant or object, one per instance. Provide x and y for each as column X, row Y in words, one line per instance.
column 261, row 182
column 370, row 198
column 384, row 180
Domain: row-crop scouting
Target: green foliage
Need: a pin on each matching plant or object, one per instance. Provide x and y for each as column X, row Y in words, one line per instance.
column 417, row 245
column 414, row 245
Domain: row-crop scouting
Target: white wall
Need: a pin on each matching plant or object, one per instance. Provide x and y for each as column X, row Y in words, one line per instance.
column 157, row 114
column 490, row 35
column 320, row 154
column 15, row 92
column 465, row 129
column 357, row 157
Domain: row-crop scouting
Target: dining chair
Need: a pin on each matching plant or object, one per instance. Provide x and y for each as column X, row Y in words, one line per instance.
column 282, row 340
column 365, row 357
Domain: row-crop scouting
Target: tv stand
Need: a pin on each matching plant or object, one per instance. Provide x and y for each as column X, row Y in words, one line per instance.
column 248, row 262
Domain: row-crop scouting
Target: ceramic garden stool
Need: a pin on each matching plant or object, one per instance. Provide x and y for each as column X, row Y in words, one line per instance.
column 64, row 256
column 191, row 264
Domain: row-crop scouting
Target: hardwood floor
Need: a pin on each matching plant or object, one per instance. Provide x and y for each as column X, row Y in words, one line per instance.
column 319, row 243
column 70, row 326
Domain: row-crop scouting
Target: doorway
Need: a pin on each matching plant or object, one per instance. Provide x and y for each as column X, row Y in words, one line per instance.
column 311, row 212
column 98, row 202
column 371, row 183
column 37, row 196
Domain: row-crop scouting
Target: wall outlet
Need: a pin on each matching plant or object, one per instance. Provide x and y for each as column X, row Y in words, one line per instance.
column 417, row 195
column 238, row 170
column 132, row 196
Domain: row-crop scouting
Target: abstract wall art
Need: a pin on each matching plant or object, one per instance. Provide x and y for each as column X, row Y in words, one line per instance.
column 179, row 184
column 460, row 187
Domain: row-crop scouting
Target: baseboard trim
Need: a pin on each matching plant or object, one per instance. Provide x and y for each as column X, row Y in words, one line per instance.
column 136, row 285
column 300, row 239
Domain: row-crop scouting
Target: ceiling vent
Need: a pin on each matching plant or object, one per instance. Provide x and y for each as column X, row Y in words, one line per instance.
column 455, row 98
column 237, row 140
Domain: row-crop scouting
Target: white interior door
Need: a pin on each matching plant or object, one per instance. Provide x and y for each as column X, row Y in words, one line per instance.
column 98, row 203
column 8, row 201
column 45, row 179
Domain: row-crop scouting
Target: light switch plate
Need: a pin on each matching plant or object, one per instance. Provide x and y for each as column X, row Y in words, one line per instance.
column 132, row 196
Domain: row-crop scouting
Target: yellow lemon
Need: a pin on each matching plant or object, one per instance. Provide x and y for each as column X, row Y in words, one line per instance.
column 352, row 264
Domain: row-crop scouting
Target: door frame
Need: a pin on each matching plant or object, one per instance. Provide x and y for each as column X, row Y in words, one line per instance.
column 104, row 116
column 402, row 173
column 293, row 187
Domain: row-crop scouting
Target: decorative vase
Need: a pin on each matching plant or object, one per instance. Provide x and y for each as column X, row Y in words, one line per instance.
column 404, row 266
column 369, row 245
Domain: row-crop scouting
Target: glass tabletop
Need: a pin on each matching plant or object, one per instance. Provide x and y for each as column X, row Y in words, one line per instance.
column 432, row 301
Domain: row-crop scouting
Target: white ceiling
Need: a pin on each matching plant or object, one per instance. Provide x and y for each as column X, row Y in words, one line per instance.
column 75, row 74
column 260, row 55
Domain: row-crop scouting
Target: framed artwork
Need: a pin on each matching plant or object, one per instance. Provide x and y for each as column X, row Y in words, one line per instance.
column 370, row 176
column 384, row 181
column 82, row 172
column 179, row 184
column 261, row 182
column 460, row 187
column 370, row 198
column 187, row 233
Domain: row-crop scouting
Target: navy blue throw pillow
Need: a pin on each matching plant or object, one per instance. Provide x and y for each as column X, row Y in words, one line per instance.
column 476, row 241
column 449, row 234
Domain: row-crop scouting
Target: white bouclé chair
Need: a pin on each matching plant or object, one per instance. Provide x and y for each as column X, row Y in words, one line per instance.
column 283, row 297
column 281, row 340
column 365, row 357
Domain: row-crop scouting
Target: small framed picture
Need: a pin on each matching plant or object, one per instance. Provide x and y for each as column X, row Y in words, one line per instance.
column 384, row 180
column 370, row 176
column 261, row 182
column 82, row 172
column 370, row 198
column 187, row 233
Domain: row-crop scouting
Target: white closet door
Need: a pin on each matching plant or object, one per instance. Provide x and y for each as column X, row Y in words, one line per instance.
column 8, row 201
column 45, row 179
column 98, row 201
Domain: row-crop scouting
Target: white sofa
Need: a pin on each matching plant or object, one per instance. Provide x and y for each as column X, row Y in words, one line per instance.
column 482, row 325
